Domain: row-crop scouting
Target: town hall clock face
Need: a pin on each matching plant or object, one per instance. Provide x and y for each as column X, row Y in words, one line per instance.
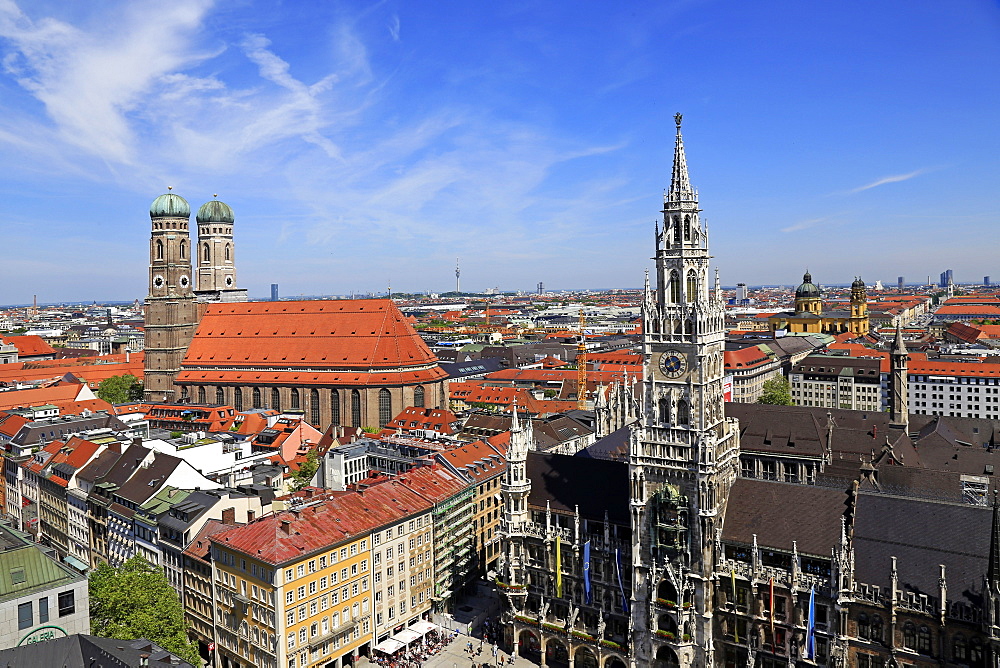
column 673, row 364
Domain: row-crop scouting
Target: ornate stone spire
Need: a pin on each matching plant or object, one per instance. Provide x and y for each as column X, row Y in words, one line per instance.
column 680, row 183
column 898, row 347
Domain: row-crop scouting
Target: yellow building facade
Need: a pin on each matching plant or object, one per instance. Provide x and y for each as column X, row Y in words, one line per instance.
column 305, row 612
column 808, row 317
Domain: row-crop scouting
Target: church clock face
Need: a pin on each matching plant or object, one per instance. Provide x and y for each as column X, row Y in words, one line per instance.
column 229, row 281
column 184, row 281
column 158, row 281
column 673, row 364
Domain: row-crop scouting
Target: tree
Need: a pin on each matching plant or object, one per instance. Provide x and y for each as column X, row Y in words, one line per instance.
column 135, row 600
column 307, row 470
column 777, row 392
column 120, row 389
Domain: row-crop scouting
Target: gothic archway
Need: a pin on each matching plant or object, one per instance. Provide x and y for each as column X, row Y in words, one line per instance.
column 614, row 662
column 584, row 657
column 528, row 645
column 556, row 654
column 665, row 658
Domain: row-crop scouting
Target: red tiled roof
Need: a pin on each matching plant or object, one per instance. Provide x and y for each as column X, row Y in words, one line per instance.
column 40, row 396
column 747, row 358
column 341, row 342
column 291, row 535
column 29, row 345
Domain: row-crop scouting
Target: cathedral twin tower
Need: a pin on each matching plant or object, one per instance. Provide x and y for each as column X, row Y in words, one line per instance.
column 183, row 274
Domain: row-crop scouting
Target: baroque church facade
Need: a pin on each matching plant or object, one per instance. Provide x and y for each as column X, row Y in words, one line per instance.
column 808, row 316
column 741, row 535
column 355, row 363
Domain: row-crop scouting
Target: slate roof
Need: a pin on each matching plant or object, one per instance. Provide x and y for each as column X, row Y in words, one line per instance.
column 85, row 651
column 922, row 534
column 565, row 482
column 614, row 446
column 779, row 513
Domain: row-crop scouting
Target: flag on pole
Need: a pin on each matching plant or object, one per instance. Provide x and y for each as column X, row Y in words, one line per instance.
column 558, row 568
column 736, row 634
column 621, row 586
column 772, row 611
column 586, row 572
column 811, row 632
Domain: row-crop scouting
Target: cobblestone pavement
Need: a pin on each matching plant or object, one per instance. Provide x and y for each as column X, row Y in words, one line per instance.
column 456, row 655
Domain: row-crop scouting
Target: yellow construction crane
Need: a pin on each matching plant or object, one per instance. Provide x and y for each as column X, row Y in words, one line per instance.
column 581, row 367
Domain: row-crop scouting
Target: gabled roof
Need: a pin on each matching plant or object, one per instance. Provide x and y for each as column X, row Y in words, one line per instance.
column 291, row 535
column 760, row 507
column 349, row 342
column 29, row 345
column 956, row 535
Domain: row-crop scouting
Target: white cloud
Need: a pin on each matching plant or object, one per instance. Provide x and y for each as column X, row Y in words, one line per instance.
column 890, row 179
column 805, row 224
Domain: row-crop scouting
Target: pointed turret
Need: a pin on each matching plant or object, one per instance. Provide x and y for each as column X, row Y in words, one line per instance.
column 680, row 182
column 899, row 411
column 898, row 346
column 993, row 567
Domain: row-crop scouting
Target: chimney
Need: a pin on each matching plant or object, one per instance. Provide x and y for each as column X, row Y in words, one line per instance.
column 251, row 515
column 286, row 527
column 229, row 516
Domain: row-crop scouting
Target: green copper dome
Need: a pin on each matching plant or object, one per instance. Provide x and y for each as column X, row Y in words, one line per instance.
column 215, row 212
column 169, row 205
column 807, row 289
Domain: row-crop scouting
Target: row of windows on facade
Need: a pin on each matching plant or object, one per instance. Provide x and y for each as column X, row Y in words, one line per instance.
column 26, row 611
column 385, row 412
column 206, row 251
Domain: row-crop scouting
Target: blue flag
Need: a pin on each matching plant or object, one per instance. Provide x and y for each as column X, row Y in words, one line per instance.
column 586, row 572
column 811, row 629
column 621, row 587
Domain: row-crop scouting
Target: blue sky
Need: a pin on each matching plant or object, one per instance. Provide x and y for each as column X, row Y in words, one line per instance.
column 363, row 143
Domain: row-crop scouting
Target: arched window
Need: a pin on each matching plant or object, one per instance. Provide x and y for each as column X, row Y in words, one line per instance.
column 314, row 407
column 355, row 408
column 206, row 253
column 384, row 407
column 687, row 228
column 675, row 288
column 876, row 629
column 976, row 653
column 228, row 253
column 295, row 398
column 692, row 287
column 682, row 412
column 238, row 398
column 256, row 397
column 677, row 229
column 864, row 627
column 201, row 396
column 924, row 640
column 335, row 407
column 418, row 396
column 959, row 649
column 220, row 396
column 909, row 636
column 184, row 394
column 664, row 410
column 275, row 399
column 159, row 249
column 184, row 251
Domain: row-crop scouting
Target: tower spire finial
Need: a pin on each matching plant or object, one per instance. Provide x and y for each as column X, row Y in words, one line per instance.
column 680, row 183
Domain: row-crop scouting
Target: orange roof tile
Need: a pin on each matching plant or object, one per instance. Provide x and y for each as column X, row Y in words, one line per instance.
column 343, row 342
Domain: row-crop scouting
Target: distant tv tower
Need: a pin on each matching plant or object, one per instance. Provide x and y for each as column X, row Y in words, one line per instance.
column 458, row 277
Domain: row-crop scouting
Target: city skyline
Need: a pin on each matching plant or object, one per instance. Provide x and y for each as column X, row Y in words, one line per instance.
column 363, row 145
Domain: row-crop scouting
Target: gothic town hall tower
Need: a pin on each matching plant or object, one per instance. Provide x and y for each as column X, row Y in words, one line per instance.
column 684, row 452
